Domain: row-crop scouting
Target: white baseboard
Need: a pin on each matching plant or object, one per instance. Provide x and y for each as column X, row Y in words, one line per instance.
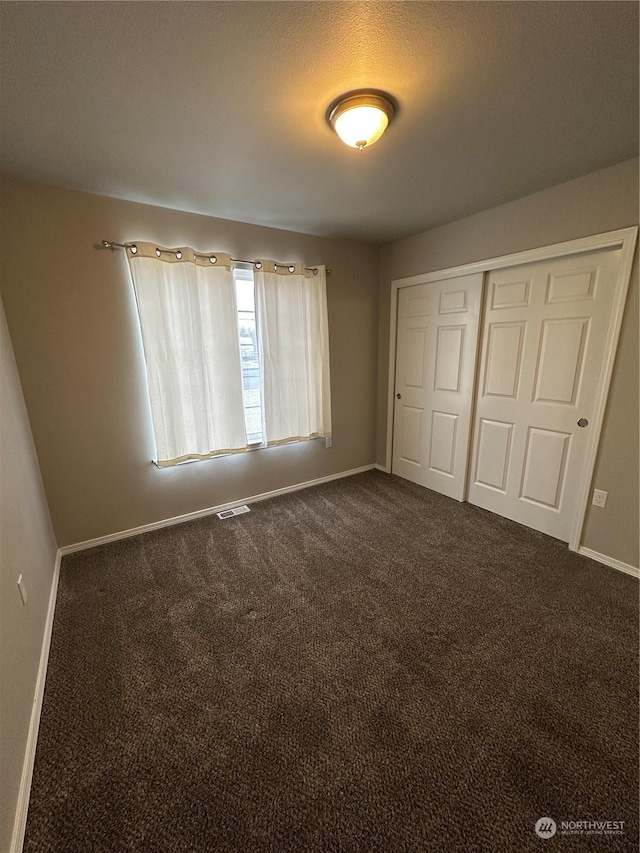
column 22, row 807
column 383, row 468
column 191, row 516
column 609, row 561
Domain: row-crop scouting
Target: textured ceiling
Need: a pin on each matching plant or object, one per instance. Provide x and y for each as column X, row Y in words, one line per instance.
column 219, row 108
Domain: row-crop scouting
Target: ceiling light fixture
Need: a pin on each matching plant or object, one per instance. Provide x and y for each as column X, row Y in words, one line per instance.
column 360, row 118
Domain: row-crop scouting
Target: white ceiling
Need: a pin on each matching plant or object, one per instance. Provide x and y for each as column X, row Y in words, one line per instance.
column 219, row 107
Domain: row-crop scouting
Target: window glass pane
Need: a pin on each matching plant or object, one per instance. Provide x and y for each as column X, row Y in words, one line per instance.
column 249, row 355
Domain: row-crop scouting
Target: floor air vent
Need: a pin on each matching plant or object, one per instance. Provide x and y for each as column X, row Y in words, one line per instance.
column 237, row 510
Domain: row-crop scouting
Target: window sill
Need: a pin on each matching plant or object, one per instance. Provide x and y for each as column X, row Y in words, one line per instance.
column 251, row 446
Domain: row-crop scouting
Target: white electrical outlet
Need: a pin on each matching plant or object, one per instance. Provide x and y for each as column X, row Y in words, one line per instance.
column 600, row 498
column 23, row 590
column 328, row 442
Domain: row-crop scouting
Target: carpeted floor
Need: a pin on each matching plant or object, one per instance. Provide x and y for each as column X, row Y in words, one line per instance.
column 361, row 666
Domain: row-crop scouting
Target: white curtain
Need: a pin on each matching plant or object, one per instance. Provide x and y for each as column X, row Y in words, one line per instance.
column 293, row 335
column 189, row 322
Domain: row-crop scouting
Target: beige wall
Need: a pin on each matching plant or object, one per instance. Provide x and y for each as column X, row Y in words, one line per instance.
column 27, row 548
column 71, row 312
column 602, row 201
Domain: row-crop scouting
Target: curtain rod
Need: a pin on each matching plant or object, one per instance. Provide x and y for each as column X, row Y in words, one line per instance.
column 111, row 244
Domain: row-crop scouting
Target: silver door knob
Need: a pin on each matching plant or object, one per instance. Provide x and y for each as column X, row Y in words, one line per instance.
column 583, row 422
column 399, row 396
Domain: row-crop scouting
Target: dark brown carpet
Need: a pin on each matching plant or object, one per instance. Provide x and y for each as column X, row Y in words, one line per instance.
column 362, row 666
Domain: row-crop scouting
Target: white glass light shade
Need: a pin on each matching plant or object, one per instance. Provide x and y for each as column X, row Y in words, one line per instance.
column 360, row 120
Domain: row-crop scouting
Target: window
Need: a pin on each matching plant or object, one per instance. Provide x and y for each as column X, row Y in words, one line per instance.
column 235, row 356
column 249, row 356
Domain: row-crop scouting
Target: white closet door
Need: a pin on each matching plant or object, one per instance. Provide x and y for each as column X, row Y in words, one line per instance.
column 544, row 335
column 437, row 338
